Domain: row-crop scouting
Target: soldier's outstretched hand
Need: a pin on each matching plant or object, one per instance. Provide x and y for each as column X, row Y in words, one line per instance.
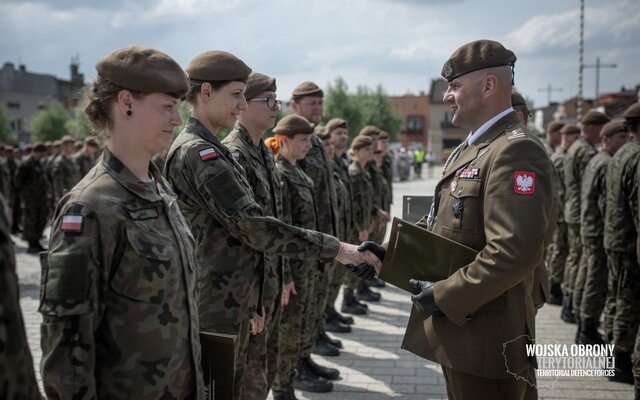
column 349, row 254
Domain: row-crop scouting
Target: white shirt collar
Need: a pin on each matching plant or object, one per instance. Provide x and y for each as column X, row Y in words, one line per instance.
column 474, row 136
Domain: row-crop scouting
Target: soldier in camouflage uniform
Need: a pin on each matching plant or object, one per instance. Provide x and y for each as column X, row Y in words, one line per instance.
column 32, row 186
column 307, row 101
column 589, row 289
column 387, row 163
column 17, row 379
column 64, row 172
column 576, row 160
column 119, row 285
column 85, row 159
column 621, row 307
column 5, row 174
column 290, row 144
column 248, row 149
column 53, row 152
column 214, row 195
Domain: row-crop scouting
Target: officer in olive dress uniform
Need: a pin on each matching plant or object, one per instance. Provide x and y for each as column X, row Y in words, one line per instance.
column 248, row 149
column 620, row 235
column 230, row 229
column 119, row 284
column 590, row 289
column 578, row 155
column 498, row 181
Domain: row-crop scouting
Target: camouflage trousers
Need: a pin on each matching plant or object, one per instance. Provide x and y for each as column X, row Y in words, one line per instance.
column 623, row 300
column 338, row 273
column 593, row 292
column 262, row 352
column 317, row 303
column 557, row 253
column 34, row 220
column 572, row 262
column 295, row 325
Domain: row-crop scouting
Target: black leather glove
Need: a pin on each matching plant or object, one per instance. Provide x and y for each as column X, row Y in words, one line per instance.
column 424, row 300
column 363, row 271
column 373, row 247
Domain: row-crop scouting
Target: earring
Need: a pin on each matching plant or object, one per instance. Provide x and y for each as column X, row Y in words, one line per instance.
column 129, row 113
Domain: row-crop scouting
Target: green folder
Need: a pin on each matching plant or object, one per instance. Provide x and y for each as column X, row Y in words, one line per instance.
column 416, row 253
column 218, row 364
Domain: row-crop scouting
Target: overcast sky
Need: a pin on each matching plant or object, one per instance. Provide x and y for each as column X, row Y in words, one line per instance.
column 400, row 44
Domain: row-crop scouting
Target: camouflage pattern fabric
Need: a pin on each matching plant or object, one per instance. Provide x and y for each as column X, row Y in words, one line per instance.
column 17, row 378
column 32, row 185
column 158, row 161
column 387, row 173
column 572, row 263
column 362, row 195
column 298, row 319
column 119, row 292
column 265, row 181
column 5, row 178
column 627, row 318
column 84, row 162
column 64, row 175
column 595, row 291
column 559, row 247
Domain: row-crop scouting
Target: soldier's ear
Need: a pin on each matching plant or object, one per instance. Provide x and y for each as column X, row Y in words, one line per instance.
column 125, row 102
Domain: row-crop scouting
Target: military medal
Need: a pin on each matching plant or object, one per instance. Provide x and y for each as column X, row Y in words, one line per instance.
column 453, row 185
column 457, row 208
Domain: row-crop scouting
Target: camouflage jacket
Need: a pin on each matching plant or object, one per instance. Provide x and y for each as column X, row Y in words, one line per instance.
column 558, row 158
column 341, row 165
column 343, row 201
column 317, row 166
column 226, row 221
column 263, row 176
column 376, row 179
column 119, row 292
column 387, row 173
column 576, row 161
column 363, row 197
column 158, row 161
column 594, row 196
column 17, row 378
column 298, row 205
column 64, row 175
column 5, row 178
column 84, row 162
column 622, row 199
column 31, row 182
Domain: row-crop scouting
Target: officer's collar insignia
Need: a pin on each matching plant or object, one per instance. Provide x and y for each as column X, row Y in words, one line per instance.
column 515, row 134
column 209, row 153
column 71, row 223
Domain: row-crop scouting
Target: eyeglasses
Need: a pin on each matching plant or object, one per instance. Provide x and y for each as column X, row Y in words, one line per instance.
column 271, row 102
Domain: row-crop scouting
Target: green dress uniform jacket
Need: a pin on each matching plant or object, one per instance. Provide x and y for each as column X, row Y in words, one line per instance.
column 119, row 292
column 495, row 197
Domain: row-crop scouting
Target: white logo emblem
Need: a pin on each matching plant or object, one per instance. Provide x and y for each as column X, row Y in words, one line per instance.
column 524, row 182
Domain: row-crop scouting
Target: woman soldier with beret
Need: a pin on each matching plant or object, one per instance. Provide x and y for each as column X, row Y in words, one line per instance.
column 120, row 316
column 290, row 144
column 229, row 226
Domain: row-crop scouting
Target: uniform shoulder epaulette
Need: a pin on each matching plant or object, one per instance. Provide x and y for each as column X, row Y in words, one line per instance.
column 517, row 133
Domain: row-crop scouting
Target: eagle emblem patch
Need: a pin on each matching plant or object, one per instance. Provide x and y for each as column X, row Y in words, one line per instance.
column 524, row 182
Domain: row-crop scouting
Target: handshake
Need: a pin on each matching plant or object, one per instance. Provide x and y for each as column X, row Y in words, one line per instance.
column 365, row 260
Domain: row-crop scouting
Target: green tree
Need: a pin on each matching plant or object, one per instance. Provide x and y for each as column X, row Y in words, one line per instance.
column 7, row 136
column 338, row 103
column 50, row 123
column 78, row 124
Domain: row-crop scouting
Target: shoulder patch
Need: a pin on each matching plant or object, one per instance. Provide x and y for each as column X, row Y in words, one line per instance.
column 71, row 223
column 207, row 154
column 524, row 182
column 236, row 155
column 515, row 134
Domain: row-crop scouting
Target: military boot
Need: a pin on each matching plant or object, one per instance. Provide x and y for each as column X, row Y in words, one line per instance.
column 322, row 335
column 350, row 305
column 567, row 310
column 555, row 294
column 286, row 394
column 622, row 369
column 333, row 325
column 576, row 338
column 366, row 294
column 308, row 381
column 589, row 333
column 324, row 372
column 324, row 348
column 375, row 282
column 333, row 314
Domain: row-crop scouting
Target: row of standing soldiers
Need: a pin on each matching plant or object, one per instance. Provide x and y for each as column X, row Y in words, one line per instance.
column 593, row 259
column 34, row 180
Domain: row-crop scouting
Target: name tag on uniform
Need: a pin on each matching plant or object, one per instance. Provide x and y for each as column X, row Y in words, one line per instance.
column 145, row 213
column 71, row 223
column 208, row 154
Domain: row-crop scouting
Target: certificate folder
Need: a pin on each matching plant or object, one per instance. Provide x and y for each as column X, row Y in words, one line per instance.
column 218, row 364
column 416, row 253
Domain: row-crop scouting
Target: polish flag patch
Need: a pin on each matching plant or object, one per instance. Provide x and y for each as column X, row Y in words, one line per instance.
column 236, row 155
column 208, row 154
column 71, row 223
column 524, row 182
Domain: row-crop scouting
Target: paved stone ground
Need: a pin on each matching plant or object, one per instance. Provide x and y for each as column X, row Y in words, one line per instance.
column 372, row 364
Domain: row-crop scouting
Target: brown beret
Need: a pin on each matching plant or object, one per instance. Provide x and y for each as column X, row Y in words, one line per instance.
column 360, row 142
column 335, row 123
column 57, row 143
column 322, row 132
column 144, row 69
column 369, row 130
column 633, row 111
column 216, row 65
column 67, row 139
column 258, row 83
column 292, row 125
column 594, row 118
column 570, row 129
column 612, row 127
column 91, row 141
column 307, row 88
column 476, row 55
column 383, row 135
column 39, row 146
column 28, row 147
column 555, row 126
column 518, row 100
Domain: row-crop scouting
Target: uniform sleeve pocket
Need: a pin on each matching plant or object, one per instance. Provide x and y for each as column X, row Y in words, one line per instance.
column 227, row 192
column 464, row 206
column 65, row 285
